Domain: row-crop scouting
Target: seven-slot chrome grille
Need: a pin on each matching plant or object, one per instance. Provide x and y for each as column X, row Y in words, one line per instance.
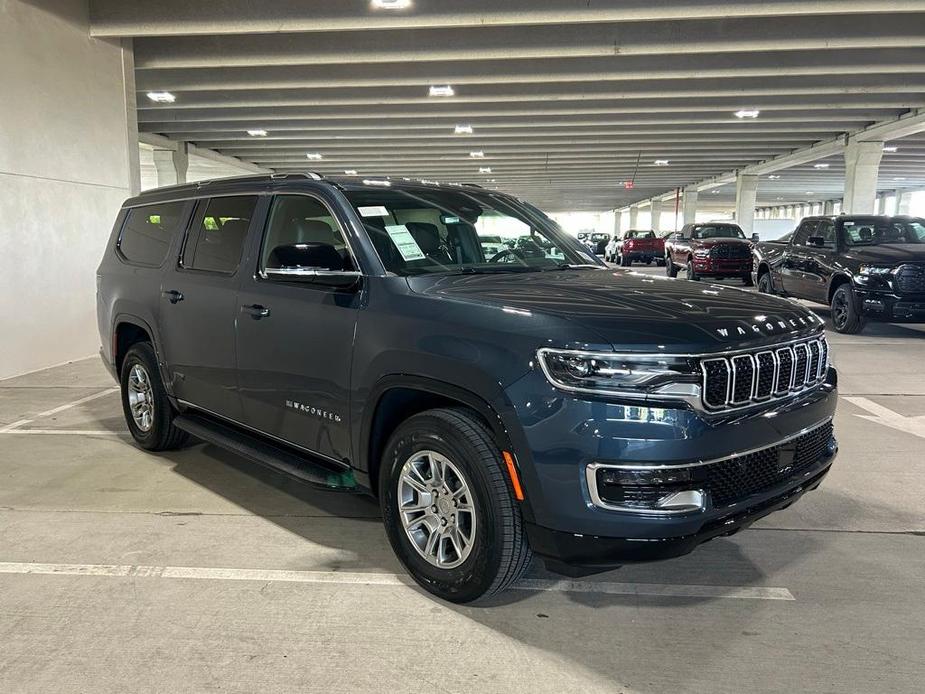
column 757, row 376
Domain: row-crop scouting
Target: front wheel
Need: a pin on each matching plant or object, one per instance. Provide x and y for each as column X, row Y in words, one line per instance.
column 845, row 316
column 691, row 272
column 448, row 508
column 764, row 284
column 670, row 268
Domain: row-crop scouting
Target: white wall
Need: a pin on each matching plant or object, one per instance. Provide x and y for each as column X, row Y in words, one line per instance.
column 64, row 171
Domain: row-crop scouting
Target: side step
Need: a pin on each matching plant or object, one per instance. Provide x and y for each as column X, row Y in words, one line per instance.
column 313, row 471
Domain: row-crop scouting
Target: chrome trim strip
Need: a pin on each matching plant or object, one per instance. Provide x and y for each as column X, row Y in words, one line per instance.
column 596, row 500
column 187, row 403
column 713, row 461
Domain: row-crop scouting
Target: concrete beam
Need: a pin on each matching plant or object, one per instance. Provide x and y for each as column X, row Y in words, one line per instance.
column 159, row 142
column 171, row 165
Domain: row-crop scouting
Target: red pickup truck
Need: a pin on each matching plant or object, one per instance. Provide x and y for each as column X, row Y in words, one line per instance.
column 644, row 246
column 715, row 250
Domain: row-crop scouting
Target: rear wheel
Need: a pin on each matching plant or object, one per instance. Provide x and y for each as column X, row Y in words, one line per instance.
column 747, row 279
column 447, row 507
column 660, row 262
column 845, row 316
column 624, row 261
column 147, row 410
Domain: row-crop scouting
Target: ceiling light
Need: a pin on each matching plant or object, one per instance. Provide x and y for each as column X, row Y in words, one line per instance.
column 445, row 90
column 372, row 182
column 774, row 177
column 314, row 156
column 484, row 169
column 351, row 172
column 891, row 149
column 899, row 178
column 715, row 192
column 390, row 4
column 162, row 97
column 661, row 162
column 463, row 130
column 257, row 133
column 477, row 155
column 747, row 113
column 810, row 192
column 820, row 166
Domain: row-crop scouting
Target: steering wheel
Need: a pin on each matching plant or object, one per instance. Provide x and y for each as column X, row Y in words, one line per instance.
column 508, row 255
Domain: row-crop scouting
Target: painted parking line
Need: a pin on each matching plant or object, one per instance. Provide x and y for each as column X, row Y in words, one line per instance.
column 914, row 425
column 62, row 432
column 388, row 579
column 11, row 428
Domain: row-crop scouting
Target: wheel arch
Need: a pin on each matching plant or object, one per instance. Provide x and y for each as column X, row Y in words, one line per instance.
column 836, row 282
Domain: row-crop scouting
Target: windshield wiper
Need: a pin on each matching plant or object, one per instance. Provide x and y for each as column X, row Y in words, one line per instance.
column 575, row 266
column 494, row 270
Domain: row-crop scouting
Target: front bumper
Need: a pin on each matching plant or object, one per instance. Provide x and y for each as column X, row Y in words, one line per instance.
column 890, row 307
column 560, row 436
column 722, row 268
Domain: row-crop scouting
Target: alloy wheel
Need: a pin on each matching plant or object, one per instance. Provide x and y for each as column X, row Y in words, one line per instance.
column 437, row 509
column 141, row 398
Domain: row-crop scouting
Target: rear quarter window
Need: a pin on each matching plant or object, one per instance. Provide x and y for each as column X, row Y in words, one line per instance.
column 149, row 231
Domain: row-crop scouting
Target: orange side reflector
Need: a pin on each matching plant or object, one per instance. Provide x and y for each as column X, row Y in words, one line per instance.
column 512, row 471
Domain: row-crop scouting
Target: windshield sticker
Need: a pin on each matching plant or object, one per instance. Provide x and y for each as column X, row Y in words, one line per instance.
column 373, row 211
column 404, row 242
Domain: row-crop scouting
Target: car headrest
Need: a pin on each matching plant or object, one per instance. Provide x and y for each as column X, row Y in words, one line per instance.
column 426, row 235
column 314, row 231
column 865, row 233
column 233, row 231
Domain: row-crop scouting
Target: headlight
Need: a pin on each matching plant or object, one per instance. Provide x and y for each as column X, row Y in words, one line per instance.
column 634, row 375
column 702, row 253
column 875, row 270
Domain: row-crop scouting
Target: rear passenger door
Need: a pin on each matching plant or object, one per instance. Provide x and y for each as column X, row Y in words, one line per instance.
column 295, row 339
column 794, row 265
column 198, row 306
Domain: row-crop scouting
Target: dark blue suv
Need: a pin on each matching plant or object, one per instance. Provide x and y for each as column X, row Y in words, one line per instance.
column 451, row 351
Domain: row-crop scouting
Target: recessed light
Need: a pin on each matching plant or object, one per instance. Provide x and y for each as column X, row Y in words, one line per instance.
column 445, row 90
column 779, row 197
column 484, row 169
column 899, row 178
column 477, row 155
column 821, row 166
column 390, row 4
column 891, row 149
column 661, row 162
column 314, row 156
column 463, row 130
column 774, row 177
column 810, row 192
column 351, row 172
column 373, row 182
column 715, row 192
column 257, row 133
column 747, row 113
column 162, row 97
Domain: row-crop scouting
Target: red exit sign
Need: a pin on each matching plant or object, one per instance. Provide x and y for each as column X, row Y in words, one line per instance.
column 629, row 185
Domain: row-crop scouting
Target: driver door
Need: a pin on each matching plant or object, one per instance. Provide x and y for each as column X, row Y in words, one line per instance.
column 794, row 265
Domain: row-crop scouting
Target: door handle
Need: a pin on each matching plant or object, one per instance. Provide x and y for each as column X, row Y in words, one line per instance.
column 173, row 296
column 256, row 311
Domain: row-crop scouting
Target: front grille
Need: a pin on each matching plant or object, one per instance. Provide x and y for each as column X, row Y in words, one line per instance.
column 748, row 378
column 910, row 279
column 732, row 251
column 734, row 479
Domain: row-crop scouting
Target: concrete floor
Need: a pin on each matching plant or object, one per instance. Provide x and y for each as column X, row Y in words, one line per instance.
column 194, row 571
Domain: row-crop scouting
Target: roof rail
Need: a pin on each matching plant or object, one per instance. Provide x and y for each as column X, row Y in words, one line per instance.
column 256, row 178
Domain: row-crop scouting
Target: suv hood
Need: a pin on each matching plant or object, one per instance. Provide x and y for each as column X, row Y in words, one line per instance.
column 634, row 311
column 888, row 253
column 721, row 241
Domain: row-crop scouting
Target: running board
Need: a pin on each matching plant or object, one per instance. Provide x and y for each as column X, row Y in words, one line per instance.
column 313, row 471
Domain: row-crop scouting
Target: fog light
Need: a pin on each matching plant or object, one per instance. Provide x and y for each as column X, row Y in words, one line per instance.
column 640, row 490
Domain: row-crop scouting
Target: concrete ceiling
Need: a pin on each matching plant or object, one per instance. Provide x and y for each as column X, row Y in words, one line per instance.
column 567, row 98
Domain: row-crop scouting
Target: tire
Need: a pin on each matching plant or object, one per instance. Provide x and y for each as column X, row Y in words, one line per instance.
column 845, row 317
column 624, row 261
column 691, row 272
column 498, row 554
column 660, row 262
column 670, row 268
column 764, row 284
column 747, row 280
column 140, row 379
column 648, row 261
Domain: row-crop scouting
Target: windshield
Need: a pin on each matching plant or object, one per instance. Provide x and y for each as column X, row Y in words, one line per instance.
column 718, row 231
column 640, row 234
column 873, row 232
column 417, row 232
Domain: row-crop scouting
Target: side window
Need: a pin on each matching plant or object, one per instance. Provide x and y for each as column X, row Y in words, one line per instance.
column 301, row 219
column 826, row 230
column 148, row 232
column 217, row 237
column 806, row 230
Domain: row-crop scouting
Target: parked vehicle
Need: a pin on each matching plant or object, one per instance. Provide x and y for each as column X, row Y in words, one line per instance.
column 356, row 335
column 864, row 267
column 597, row 242
column 717, row 250
column 637, row 245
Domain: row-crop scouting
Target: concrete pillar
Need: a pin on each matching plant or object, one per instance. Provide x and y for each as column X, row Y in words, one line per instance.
column 903, row 202
column 617, row 222
column 65, row 131
column 689, row 209
column 656, row 211
column 746, row 197
column 171, row 165
column 862, row 166
column 634, row 217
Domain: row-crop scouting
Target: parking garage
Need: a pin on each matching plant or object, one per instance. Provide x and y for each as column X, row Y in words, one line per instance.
column 225, row 564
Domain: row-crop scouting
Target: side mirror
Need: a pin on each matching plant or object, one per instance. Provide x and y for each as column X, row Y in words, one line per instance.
column 816, row 242
column 755, row 237
column 314, row 263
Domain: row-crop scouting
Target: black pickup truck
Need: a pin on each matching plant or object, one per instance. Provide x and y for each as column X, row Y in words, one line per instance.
column 864, row 267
